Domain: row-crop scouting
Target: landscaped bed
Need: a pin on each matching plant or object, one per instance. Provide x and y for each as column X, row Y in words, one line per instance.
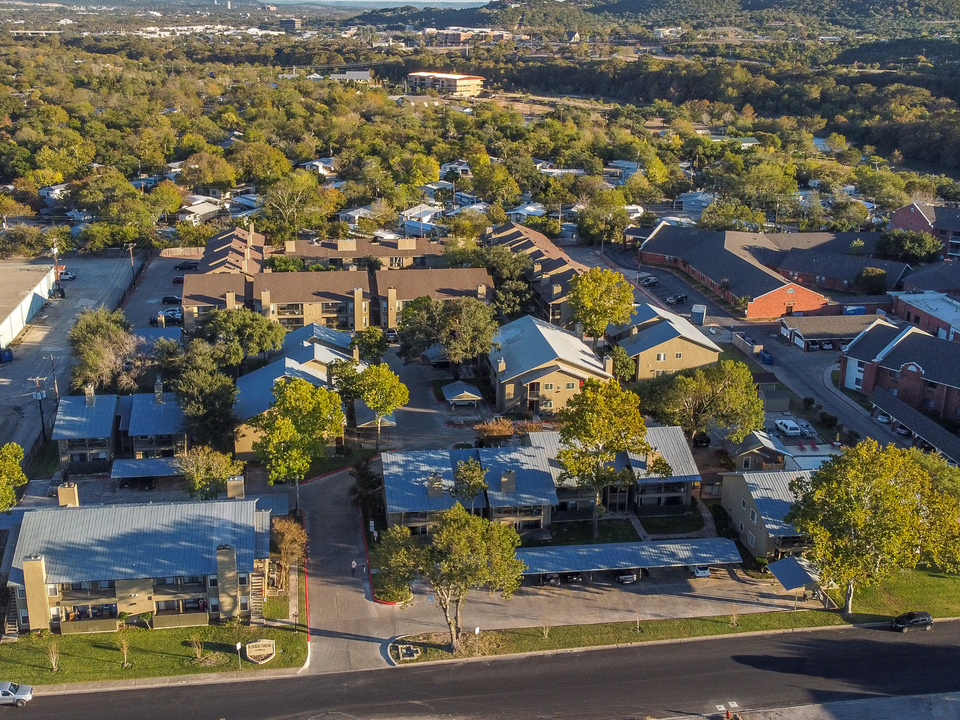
column 689, row 522
column 580, row 532
column 152, row 653
column 434, row 646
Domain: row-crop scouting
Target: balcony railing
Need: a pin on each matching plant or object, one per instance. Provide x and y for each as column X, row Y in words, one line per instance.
column 183, row 591
column 91, row 596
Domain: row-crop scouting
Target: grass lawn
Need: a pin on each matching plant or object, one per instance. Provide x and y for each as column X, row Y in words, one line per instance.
column 276, row 608
column 580, row 532
column 339, row 462
column 46, row 463
column 689, row 522
column 936, row 592
column 504, row 642
column 731, row 353
column 858, row 397
column 153, row 653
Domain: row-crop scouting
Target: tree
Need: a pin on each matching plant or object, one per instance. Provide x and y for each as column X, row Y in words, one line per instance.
column 296, row 428
column 371, row 343
column 102, row 341
column 165, row 199
column 259, row 162
column 255, row 333
column 600, row 421
column 296, row 201
column 872, row 281
column 604, row 218
column 206, row 398
column 366, row 492
column 722, row 394
column 463, row 327
column 205, row 170
column 11, row 208
column 872, row 510
column 624, row 366
column 908, row 245
column 730, row 215
column 11, row 475
column 465, row 553
column 206, row 471
column 382, row 392
column 345, row 379
column 468, row 481
column 290, row 539
column 599, row 298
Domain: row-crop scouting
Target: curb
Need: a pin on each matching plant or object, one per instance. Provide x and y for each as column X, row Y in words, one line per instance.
column 366, row 555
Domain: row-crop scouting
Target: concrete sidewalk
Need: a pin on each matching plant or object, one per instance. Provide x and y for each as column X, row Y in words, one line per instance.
column 945, row 706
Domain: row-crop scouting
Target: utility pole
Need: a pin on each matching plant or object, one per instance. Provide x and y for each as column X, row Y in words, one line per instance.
column 133, row 272
column 56, row 389
column 39, row 395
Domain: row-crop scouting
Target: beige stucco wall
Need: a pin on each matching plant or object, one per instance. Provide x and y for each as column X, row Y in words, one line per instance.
column 733, row 492
column 693, row 356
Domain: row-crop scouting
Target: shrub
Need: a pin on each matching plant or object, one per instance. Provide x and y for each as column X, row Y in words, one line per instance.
column 145, row 618
column 828, row 420
column 808, row 402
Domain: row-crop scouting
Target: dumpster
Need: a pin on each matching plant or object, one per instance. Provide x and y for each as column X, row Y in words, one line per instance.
column 698, row 314
column 765, row 357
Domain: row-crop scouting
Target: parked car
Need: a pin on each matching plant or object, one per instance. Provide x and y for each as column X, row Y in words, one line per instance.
column 15, row 694
column 912, row 621
column 551, row 579
column 391, row 335
column 67, row 275
column 788, row 428
column 571, row 577
column 806, row 429
column 828, row 345
column 903, row 430
column 701, row 439
column 813, row 345
column 171, row 300
column 627, row 577
column 884, row 418
column 648, row 282
column 178, row 280
column 187, row 265
column 699, row 571
column 171, row 316
column 676, row 299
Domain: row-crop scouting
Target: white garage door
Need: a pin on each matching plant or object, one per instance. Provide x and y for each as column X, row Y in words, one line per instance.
column 798, row 340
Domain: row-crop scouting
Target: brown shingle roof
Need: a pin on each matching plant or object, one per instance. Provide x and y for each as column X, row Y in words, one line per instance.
column 213, row 289
column 439, row 284
column 306, row 287
column 225, row 252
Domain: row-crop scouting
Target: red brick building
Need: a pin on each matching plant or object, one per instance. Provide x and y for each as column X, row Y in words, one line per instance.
column 932, row 312
column 918, row 369
column 941, row 222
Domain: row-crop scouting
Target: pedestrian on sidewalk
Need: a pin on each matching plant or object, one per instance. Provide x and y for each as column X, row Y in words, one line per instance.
column 353, row 567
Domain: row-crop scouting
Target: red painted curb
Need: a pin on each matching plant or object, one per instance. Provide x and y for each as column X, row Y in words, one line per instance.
column 306, row 596
column 333, row 472
column 366, row 555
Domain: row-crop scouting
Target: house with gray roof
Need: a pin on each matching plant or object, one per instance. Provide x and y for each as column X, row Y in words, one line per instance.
column 75, row 569
column 918, row 369
column 157, row 425
column 941, row 277
column 837, row 271
column 85, row 432
column 537, row 367
column 757, row 503
column 758, row 451
column 661, row 342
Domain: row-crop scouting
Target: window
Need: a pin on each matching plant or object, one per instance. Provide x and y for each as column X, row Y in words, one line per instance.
column 751, row 540
column 929, row 403
column 548, row 386
column 740, row 526
column 24, row 618
column 105, row 584
column 213, row 581
column 661, row 357
column 215, row 605
column 743, row 504
column 571, row 386
column 53, row 590
column 679, row 355
column 242, row 580
column 244, row 606
column 746, row 463
column 858, row 383
column 22, row 593
column 753, row 516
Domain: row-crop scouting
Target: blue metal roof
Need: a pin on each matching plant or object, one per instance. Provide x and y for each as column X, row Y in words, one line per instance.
column 125, row 410
column 317, row 333
column 148, row 417
column 146, row 467
column 78, row 421
column 625, row 556
column 129, row 542
column 407, row 474
column 534, row 483
column 771, row 493
column 794, row 572
column 255, row 390
column 460, row 391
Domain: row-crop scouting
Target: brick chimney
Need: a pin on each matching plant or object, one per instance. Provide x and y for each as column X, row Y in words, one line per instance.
column 265, row 308
column 91, row 396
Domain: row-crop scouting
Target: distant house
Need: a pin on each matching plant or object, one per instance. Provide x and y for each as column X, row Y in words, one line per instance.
column 85, row 432
column 363, row 77
column 757, row 503
column 325, row 167
column 458, row 167
column 537, row 367
column 520, row 213
column 422, row 213
column 199, row 213
column 432, row 189
column 352, row 215
column 694, row 203
column 758, row 451
column 661, row 342
column 452, row 83
column 941, row 222
column 573, row 36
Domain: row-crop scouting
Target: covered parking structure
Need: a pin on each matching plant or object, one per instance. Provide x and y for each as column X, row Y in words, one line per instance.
column 922, row 427
column 629, row 556
column 145, row 471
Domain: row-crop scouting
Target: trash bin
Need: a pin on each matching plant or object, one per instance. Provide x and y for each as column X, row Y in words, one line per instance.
column 6, row 355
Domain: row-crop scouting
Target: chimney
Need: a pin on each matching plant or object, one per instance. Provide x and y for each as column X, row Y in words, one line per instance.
column 235, row 487
column 508, row 481
column 231, row 298
column 358, row 314
column 289, row 246
column 91, row 396
column 68, row 495
column 344, row 244
column 250, row 234
column 243, row 266
column 158, row 390
column 481, row 292
column 557, row 291
column 265, row 308
column 652, row 457
column 35, row 588
column 392, row 307
column 406, row 243
column 544, row 280
column 634, row 330
column 501, row 365
column 435, row 485
column 608, row 364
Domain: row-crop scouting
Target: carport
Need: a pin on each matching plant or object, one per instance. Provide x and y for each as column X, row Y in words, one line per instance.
column 128, row 471
column 627, row 556
column 923, row 428
column 795, row 573
column 461, row 393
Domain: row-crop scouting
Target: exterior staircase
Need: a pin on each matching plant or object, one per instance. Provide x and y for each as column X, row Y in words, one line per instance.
column 11, row 629
column 256, row 599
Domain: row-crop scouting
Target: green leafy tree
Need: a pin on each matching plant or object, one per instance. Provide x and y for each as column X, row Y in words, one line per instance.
column 259, row 162
column 253, row 332
column 11, row 475
column 467, row 329
column 600, row 421
column 598, row 298
column 295, row 430
column 290, row 539
column 730, row 215
column 604, row 218
column 9, row 207
column 723, row 394
column 465, row 553
column 493, row 182
column 872, row 510
column 908, row 245
column 367, row 489
column 382, row 392
column 371, row 344
column 102, row 342
column 469, row 481
column 624, row 367
column 872, row 281
column 345, row 379
column 296, row 202
column 190, row 235
column 205, row 170
column 164, row 199
column 206, row 471
column 206, row 398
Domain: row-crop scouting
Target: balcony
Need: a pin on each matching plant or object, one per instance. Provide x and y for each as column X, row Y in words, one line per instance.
column 76, row 627
column 174, row 619
column 183, row 591
column 91, row 596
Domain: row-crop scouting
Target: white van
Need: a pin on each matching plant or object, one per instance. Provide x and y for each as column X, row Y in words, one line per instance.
column 788, row 428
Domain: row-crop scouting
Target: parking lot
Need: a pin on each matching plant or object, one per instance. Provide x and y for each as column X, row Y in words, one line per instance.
column 155, row 283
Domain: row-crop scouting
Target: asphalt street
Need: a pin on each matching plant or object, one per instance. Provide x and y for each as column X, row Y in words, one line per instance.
column 668, row 680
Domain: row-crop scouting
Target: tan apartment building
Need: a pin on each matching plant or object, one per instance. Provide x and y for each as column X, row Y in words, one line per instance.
column 393, row 252
column 660, row 342
column 338, row 300
column 394, row 289
column 536, row 367
column 757, row 503
column 234, row 251
column 77, row 569
column 452, row 83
